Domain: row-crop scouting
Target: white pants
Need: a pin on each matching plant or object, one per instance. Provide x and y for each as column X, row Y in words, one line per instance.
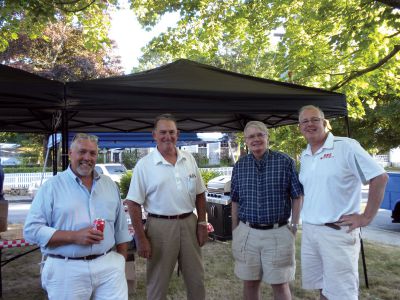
column 100, row 278
column 329, row 261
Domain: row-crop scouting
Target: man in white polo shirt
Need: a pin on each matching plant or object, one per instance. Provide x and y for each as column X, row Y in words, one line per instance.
column 168, row 184
column 332, row 170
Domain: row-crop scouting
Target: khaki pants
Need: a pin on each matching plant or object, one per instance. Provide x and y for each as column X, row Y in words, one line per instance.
column 172, row 241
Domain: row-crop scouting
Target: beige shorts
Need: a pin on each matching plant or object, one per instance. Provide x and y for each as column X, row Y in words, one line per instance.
column 267, row 255
column 329, row 261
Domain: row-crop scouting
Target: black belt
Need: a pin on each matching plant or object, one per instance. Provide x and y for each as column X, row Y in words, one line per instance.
column 266, row 226
column 333, row 226
column 182, row 216
column 89, row 257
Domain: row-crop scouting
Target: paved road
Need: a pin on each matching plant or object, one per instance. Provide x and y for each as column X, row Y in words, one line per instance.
column 17, row 212
column 18, row 208
column 382, row 230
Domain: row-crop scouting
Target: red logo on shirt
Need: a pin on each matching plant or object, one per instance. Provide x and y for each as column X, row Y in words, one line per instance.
column 326, row 155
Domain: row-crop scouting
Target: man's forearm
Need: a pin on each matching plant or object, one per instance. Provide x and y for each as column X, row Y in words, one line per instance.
column 123, row 249
column 296, row 208
column 135, row 213
column 234, row 215
column 201, row 207
column 61, row 237
column 376, row 192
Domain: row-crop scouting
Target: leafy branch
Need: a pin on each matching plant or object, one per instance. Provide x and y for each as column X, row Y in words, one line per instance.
column 392, row 3
column 355, row 74
column 81, row 5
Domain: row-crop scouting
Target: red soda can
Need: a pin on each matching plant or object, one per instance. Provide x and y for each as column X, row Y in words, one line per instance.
column 99, row 224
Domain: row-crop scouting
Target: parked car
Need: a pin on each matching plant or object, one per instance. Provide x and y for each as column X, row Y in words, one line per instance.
column 113, row 170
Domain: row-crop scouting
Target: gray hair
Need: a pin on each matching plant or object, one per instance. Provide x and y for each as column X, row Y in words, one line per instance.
column 168, row 117
column 306, row 107
column 256, row 124
column 84, row 136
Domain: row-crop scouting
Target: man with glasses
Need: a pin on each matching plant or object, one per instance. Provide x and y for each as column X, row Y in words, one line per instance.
column 265, row 193
column 332, row 170
column 168, row 184
column 80, row 261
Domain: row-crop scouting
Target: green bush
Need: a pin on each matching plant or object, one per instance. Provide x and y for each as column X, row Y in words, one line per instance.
column 226, row 162
column 208, row 175
column 201, row 160
column 130, row 158
column 124, row 184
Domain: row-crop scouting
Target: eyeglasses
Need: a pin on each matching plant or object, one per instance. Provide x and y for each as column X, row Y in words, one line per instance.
column 312, row 121
column 85, row 136
column 259, row 135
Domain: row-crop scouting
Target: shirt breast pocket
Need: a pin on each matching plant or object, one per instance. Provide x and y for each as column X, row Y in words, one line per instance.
column 107, row 211
column 191, row 186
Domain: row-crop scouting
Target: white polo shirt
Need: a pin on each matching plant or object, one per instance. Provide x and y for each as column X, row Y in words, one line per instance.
column 332, row 179
column 163, row 188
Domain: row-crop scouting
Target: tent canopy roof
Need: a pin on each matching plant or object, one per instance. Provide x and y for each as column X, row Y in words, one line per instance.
column 203, row 99
column 28, row 103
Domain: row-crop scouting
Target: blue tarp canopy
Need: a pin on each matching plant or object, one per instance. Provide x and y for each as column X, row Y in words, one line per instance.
column 145, row 140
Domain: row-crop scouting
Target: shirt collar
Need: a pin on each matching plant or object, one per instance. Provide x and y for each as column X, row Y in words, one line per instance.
column 159, row 159
column 263, row 158
column 328, row 144
column 96, row 176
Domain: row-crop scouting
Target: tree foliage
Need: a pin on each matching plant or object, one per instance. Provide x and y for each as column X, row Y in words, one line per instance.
column 30, row 148
column 61, row 54
column 350, row 46
column 287, row 139
column 50, row 39
column 30, row 17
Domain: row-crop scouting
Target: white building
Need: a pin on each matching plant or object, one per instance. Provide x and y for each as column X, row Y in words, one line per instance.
column 394, row 157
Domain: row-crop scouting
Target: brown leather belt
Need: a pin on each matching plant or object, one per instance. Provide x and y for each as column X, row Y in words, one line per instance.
column 182, row 216
column 89, row 257
column 266, row 226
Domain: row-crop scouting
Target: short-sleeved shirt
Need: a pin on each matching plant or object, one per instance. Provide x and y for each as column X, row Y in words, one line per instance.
column 163, row 188
column 332, row 179
column 264, row 188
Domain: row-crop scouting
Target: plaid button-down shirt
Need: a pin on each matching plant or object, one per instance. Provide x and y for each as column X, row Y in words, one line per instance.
column 264, row 188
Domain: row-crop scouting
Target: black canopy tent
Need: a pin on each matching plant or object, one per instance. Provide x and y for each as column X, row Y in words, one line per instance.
column 202, row 97
column 29, row 103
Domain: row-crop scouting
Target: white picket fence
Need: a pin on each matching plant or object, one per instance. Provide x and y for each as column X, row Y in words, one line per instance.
column 23, row 180
column 223, row 171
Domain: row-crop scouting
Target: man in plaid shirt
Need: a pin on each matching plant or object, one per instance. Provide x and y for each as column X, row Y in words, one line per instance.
column 266, row 192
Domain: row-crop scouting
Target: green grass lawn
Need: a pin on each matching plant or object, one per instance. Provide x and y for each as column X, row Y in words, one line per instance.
column 21, row 277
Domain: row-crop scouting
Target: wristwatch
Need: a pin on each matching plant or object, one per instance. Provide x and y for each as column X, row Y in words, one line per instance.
column 294, row 227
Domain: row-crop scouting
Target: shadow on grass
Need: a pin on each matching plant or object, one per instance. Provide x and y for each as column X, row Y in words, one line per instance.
column 21, row 278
